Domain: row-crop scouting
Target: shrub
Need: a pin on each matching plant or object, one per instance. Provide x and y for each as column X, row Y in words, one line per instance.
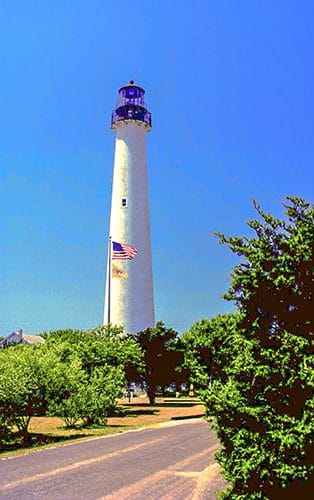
column 263, row 404
column 30, row 376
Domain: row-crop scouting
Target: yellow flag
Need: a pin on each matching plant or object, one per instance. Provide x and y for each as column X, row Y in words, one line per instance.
column 118, row 272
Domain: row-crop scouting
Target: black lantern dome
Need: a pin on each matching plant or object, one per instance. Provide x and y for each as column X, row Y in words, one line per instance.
column 131, row 105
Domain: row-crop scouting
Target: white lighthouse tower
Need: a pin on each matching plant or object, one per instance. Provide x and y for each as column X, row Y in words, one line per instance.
column 129, row 297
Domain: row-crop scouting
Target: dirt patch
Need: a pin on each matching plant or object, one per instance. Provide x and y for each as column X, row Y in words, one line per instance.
column 141, row 413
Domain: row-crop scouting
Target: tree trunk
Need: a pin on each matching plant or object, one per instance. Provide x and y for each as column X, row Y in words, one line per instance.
column 178, row 386
column 22, row 425
column 151, row 393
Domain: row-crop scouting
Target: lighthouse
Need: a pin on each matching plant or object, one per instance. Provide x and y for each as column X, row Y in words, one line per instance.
column 129, row 299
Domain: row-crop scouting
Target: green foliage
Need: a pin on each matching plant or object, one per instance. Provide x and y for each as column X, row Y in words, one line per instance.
column 96, row 347
column 162, row 358
column 208, row 347
column 29, row 378
column 263, row 403
column 90, row 397
column 105, row 358
column 75, row 375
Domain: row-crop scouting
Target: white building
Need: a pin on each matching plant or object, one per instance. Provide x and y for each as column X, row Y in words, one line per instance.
column 19, row 337
column 129, row 297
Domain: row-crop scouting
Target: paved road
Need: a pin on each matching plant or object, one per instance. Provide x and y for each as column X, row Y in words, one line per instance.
column 168, row 462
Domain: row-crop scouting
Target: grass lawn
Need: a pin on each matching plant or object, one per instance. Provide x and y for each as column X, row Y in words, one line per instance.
column 50, row 431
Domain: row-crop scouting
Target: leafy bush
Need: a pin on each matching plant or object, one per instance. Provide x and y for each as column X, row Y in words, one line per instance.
column 263, row 403
column 30, row 376
column 104, row 357
column 209, row 346
column 90, row 397
column 75, row 375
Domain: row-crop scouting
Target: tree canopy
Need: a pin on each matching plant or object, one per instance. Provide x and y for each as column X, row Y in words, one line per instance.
column 209, row 346
column 162, row 357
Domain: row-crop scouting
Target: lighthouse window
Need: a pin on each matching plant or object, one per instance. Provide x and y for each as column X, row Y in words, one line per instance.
column 124, row 202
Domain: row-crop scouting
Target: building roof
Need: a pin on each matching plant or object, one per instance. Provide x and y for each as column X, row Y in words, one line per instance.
column 20, row 336
column 32, row 339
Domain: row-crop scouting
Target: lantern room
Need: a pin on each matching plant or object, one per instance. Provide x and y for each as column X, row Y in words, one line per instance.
column 131, row 105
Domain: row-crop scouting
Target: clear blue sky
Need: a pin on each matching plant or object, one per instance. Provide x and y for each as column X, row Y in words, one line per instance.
column 230, row 86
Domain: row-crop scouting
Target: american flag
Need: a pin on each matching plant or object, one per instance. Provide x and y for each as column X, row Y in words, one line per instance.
column 122, row 251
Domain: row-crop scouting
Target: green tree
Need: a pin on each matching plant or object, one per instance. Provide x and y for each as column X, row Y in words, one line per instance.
column 101, row 346
column 162, row 357
column 263, row 407
column 209, row 346
column 75, row 375
column 30, row 376
column 88, row 398
column 105, row 358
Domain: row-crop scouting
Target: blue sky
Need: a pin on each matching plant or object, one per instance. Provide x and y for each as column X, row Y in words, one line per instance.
column 230, row 87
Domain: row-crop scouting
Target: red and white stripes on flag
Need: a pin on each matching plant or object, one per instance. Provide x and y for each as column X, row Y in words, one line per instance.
column 122, row 251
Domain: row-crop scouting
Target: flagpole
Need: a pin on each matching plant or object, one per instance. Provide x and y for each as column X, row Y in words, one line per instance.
column 109, row 275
